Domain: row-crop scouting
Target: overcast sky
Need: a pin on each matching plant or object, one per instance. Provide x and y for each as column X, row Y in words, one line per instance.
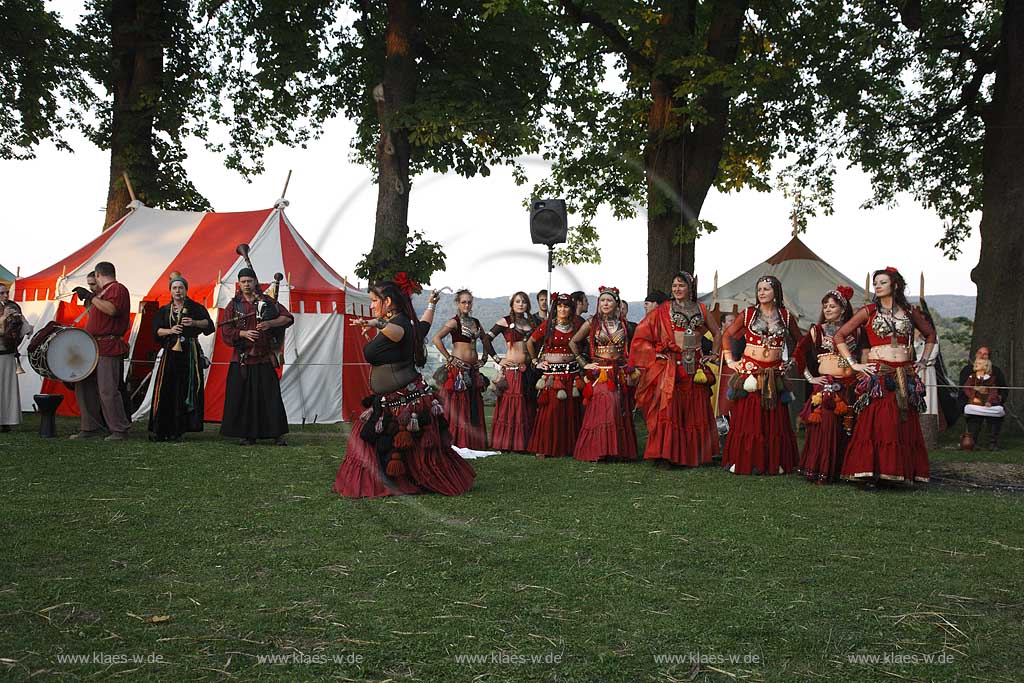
column 55, row 205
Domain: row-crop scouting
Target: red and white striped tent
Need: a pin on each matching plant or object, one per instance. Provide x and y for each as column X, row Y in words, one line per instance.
column 324, row 376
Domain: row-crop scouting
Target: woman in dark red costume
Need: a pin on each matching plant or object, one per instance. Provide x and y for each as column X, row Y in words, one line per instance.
column 558, row 403
column 400, row 444
column 828, row 413
column 463, row 385
column 761, row 437
column 516, row 407
column 675, row 387
column 887, row 443
column 607, row 432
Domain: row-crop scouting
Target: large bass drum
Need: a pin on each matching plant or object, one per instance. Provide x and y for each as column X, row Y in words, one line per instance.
column 66, row 354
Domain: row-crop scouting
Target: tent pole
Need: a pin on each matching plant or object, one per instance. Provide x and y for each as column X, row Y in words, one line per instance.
column 285, row 190
column 128, row 184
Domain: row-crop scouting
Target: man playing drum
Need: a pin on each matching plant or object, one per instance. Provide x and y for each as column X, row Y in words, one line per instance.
column 99, row 395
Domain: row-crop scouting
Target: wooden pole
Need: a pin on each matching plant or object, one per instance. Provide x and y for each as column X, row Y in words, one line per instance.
column 867, row 288
column 128, row 184
column 285, row 190
column 920, row 300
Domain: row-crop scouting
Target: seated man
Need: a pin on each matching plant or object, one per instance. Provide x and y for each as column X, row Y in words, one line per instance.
column 983, row 401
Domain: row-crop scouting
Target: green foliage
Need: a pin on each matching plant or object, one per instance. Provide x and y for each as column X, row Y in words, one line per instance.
column 483, row 79
column 599, row 122
column 178, row 97
column 42, row 89
column 906, row 105
column 419, row 259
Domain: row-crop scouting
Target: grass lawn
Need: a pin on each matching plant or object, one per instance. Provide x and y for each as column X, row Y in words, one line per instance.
column 202, row 559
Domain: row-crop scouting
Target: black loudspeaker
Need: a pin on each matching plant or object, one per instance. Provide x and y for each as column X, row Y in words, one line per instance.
column 548, row 224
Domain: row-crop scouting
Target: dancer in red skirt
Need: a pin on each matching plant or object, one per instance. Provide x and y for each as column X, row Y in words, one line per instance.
column 828, row 413
column 761, row 437
column 462, row 385
column 400, row 444
column 516, row 406
column 558, row 403
column 675, row 387
column 887, row 443
column 607, row 432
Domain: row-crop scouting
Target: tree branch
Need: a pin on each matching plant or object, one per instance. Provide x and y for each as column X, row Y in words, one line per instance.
column 610, row 31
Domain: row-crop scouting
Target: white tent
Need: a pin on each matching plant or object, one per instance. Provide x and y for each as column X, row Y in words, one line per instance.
column 805, row 279
column 324, row 377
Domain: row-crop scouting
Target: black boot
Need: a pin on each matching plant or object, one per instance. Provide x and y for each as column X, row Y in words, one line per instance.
column 995, row 426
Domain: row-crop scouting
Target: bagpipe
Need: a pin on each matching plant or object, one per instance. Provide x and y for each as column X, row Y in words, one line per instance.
column 267, row 309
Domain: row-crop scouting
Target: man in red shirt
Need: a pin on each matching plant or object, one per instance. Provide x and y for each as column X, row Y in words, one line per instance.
column 98, row 395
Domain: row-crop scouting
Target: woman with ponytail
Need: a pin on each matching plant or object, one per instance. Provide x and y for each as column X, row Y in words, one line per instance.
column 558, row 412
column 887, row 443
column 400, row 444
column 607, row 432
column 761, row 439
column 828, row 413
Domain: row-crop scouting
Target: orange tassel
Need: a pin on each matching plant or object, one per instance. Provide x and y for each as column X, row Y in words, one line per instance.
column 395, row 468
column 815, row 417
column 403, row 441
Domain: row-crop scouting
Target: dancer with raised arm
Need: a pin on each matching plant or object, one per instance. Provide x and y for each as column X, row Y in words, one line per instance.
column 401, row 443
column 887, row 443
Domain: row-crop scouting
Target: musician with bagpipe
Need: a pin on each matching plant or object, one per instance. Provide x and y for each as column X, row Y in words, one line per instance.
column 254, row 325
column 13, row 328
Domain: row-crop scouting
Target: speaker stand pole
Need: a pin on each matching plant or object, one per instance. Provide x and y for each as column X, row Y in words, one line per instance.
column 551, row 267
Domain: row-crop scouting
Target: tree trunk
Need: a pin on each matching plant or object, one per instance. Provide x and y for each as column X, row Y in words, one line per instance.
column 1000, row 310
column 681, row 164
column 396, row 93
column 136, row 79
column 663, row 166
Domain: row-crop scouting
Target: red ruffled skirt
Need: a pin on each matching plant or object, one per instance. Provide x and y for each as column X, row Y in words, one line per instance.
column 513, row 415
column 465, row 432
column 885, row 446
column 558, row 419
column 429, row 464
column 607, row 432
column 826, row 419
column 760, row 441
column 685, row 433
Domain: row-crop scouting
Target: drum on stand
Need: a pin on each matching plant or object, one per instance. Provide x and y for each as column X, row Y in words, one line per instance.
column 66, row 354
